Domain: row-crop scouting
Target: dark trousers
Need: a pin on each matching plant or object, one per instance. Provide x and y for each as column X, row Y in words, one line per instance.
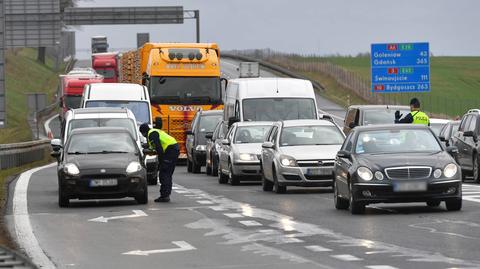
column 167, row 167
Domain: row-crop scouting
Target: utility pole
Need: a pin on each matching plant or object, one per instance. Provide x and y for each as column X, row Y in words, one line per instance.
column 197, row 17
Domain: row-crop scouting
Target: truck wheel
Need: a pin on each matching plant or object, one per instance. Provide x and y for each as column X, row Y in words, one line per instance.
column 142, row 197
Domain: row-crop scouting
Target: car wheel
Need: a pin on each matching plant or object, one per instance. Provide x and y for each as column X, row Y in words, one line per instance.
column 454, row 204
column 340, row 203
column 356, row 208
column 433, row 203
column 222, row 178
column 475, row 169
column 63, row 200
column 208, row 169
column 214, row 167
column 267, row 185
column 189, row 165
column 195, row 166
column 142, row 197
column 152, row 180
column 232, row 178
column 277, row 188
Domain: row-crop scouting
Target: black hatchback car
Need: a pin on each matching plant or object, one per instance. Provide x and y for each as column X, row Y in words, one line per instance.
column 100, row 163
column 362, row 115
column 395, row 164
column 466, row 140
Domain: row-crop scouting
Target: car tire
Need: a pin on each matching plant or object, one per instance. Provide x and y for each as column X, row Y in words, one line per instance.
column 152, row 180
column 142, row 197
column 232, row 178
column 222, row 178
column 454, row 204
column 195, row 166
column 63, row 200
column 277, row 188
column 356, row 208
column 267, row 185
column 475, row 170
column 433, row 203
column 189, row 165
column 214, row 167
column 340, row 203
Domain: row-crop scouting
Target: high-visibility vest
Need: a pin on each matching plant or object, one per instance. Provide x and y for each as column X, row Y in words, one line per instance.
column 165, row 139
column 420, row 118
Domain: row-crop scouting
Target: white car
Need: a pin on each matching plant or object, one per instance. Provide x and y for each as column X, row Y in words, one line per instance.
column 300, row 153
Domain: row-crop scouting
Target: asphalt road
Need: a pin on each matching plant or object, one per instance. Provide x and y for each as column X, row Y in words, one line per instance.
column 208, row 225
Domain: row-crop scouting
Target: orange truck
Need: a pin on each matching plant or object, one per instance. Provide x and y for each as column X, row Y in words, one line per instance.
column 182, row 78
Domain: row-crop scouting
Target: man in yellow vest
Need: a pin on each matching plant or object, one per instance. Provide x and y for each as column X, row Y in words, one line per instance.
column 167, row 151
column 415, row 116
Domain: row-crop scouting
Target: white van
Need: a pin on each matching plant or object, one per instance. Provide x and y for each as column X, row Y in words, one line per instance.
column 269, row 99
column 125, row 95
column 108, row 117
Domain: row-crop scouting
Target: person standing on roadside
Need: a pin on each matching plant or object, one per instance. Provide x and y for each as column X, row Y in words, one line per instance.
column 416, row 116
column 167, row 153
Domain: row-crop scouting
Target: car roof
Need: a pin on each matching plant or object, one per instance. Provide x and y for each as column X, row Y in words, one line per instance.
column 99, row 130
column 366, row 107
column 211, row 112
column 253, row 123
column 99, row 112
column 320, row 122
column 390, row 127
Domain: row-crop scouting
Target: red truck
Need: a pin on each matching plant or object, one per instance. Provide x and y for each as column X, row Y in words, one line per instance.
column 106, row 64
column 71, row 90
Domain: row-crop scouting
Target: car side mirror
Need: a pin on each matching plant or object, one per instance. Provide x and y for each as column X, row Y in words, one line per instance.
column 232, row 120
column 56, row 144
column 352, row 125
column 209, row 136
column 452, row 150
column 225, row 142
column 56, row 154
column 344, row 154
column 268, row 145
column 149, row 152
column 189, row 132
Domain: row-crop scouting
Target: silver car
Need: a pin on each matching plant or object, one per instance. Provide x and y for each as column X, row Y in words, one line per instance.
column 240, row 151
column 300, row 153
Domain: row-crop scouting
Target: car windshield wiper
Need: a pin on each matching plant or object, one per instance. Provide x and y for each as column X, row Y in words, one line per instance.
column 107, row 152
column 77, row 153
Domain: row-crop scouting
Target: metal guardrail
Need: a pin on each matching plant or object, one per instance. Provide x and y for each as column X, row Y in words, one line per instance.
column 18, row 154
column 12, row 259
column 273, row 67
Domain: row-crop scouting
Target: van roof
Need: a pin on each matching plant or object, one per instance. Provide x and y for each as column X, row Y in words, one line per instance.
column 273, row 87
column 117, row 91
column 99, row 112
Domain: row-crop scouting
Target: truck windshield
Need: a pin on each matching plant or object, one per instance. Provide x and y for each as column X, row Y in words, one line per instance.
column 106, row 72
column 185, row 90
column 72, row 101
column 141, row 110
column 275, row 109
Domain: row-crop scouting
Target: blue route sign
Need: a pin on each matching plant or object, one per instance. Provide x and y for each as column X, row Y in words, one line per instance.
column 400, row 67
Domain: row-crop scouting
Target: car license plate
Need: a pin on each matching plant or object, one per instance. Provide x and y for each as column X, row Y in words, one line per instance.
column 319, row 172
column 409, row 186
column 103, row 182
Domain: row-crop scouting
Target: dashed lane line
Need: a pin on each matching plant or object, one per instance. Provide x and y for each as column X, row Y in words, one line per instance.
column 250, row 223
column 233, row 215
column 205, row 202
column 381, row 267
column 317, row 248
column 346, row 257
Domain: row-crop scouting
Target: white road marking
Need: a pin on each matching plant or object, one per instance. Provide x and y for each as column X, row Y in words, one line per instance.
column 205, row 202
column 136, row 214
column 182, row 246
column 46, row 126
column 181, row 191
column 23, row 227
column 233, row 215
column 218, row 208
column 381, row 267
column 250, row 223
column 471, row 193
column 317, row 248
column 346, row 257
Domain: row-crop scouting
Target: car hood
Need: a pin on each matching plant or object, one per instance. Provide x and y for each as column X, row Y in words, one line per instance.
column 252, row 148
column 105, row 161
column 320, row 152
column 380, row 161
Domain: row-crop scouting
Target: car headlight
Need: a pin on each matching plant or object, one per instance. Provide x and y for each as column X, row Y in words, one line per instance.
column 437, row 173
column 450, row 170
column 247, row 157
column 200, row 148
column 71, row 169
column 288, row 161
column 133, row 167
column 378, row 175
column 365, row 173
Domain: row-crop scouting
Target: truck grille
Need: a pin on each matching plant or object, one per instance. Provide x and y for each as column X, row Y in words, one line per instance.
column 408, row 172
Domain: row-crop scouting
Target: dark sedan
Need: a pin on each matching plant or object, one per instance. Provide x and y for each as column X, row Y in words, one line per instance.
column 100, row 163
column 395, row 164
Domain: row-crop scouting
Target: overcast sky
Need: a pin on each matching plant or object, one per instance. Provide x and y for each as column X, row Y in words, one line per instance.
column 307, row 26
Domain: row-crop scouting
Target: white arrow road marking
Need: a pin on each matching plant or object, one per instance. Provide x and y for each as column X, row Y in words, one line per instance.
column 136, row 214
column 182, row 246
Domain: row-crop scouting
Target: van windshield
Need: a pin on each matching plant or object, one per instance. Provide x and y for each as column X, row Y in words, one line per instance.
column 275, row 109
column 141, row 110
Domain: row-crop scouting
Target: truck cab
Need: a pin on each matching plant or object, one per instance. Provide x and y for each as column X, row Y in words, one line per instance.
column 106, row 64
column 72, row 91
